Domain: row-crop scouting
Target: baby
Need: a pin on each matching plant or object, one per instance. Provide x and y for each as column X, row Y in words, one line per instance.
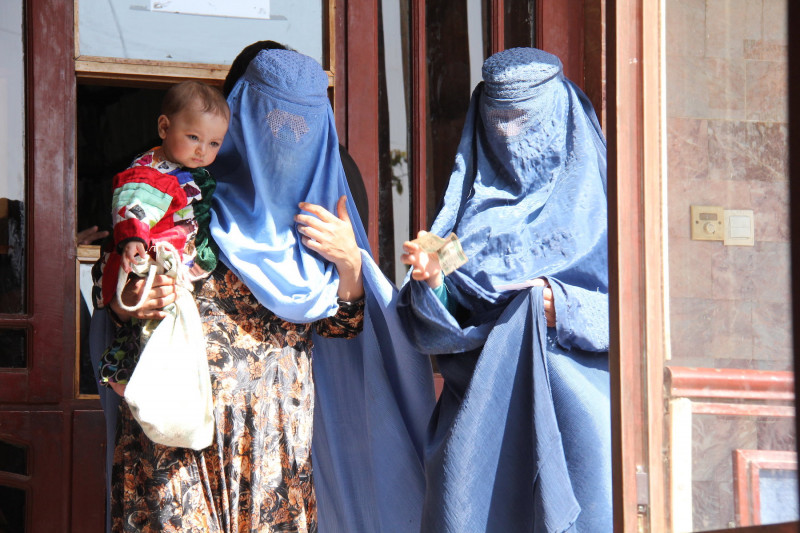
column 158, row 199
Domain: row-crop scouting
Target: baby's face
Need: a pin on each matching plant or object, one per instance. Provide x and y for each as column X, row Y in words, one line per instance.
column 192, row 138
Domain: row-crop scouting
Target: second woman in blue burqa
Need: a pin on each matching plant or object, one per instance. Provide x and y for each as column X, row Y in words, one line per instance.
column 520, row 438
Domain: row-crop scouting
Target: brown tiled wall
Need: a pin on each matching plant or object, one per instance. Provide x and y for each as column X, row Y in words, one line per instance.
column 726, row 139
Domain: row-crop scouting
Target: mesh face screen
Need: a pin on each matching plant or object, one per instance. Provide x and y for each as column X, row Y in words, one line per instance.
column 508, row 122
column 286, row 126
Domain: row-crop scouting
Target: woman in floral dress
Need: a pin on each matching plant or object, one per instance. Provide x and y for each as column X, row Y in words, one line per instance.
column 263, row 393
column 292, row 279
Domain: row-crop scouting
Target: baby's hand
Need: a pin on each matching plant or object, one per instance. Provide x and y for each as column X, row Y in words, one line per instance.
column 425, row 266
column 129, row 253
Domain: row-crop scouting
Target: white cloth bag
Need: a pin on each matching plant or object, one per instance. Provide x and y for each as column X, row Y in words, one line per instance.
column 169, row 392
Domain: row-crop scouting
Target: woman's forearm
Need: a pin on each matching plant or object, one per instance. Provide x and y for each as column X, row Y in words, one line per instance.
column 351, row 285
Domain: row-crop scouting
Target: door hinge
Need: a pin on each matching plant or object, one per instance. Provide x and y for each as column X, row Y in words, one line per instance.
column 642, row 490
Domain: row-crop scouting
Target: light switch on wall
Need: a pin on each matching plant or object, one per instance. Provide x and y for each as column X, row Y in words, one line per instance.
column 739, row 227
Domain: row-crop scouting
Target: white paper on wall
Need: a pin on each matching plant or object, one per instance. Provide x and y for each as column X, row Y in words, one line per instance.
column 255, row 9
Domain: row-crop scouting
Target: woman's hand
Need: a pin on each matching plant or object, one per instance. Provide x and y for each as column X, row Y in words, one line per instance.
column 332, row 237
column 89, row 235
column 161, row 294
column 424, row 266
column 549, row 305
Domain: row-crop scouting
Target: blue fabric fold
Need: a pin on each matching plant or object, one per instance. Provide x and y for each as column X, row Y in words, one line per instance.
column 374, row 396
column 374, row 393
column 281, row 149
column 522, row 428
column 517, row 479
column 101, row 335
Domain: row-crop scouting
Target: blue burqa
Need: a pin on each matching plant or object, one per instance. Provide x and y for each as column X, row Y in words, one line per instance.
column 520, row 438
column 374, row 393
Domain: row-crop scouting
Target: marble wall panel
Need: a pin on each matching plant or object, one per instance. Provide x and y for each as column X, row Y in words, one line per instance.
column 686, row 86
column 687, row 148
column 706, row 515
column 726, row 515
column 771, row 264
column 733, row 274
column 725, row 80
column 776, row 434
column 731, row 362
column 766, row 91
column 726, row 145
column 738, row 194
column 714, row 437
column 774, row 20
column 770, row 210
column 690, row 330
column 755, row 19
column 685, row 28
column 727, row 150
column 732, row 330
column 727, row 27
column 772, row 336
column 705, row 506
column 759, row 49
column 690, row 268
column 767, row 144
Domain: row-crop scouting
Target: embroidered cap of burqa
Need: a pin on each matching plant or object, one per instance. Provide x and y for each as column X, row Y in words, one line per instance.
column 520, row 438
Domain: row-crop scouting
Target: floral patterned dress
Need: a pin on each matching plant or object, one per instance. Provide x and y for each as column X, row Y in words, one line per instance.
column 256, row 475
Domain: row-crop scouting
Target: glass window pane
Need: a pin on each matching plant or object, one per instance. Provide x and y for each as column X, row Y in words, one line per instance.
column 146, row 30
column 13, row 459
column 728, row 248
column 12, row 509
column 778, row 491
column 12, row 349
column 520, row 23
column 87, row 255
column 394, row 95
column 457, row 44
column 12, row 160
column 103, row 150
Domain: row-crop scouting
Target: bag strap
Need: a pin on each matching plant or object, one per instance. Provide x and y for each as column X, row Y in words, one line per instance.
column 122, row 279
column 167, row 261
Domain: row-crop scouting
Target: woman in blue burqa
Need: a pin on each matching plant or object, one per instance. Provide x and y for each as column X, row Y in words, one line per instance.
column 520, row 437
column 293, row 280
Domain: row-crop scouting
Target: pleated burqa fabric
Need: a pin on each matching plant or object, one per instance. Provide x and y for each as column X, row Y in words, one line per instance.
column 520, row 438
column 374, row 393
